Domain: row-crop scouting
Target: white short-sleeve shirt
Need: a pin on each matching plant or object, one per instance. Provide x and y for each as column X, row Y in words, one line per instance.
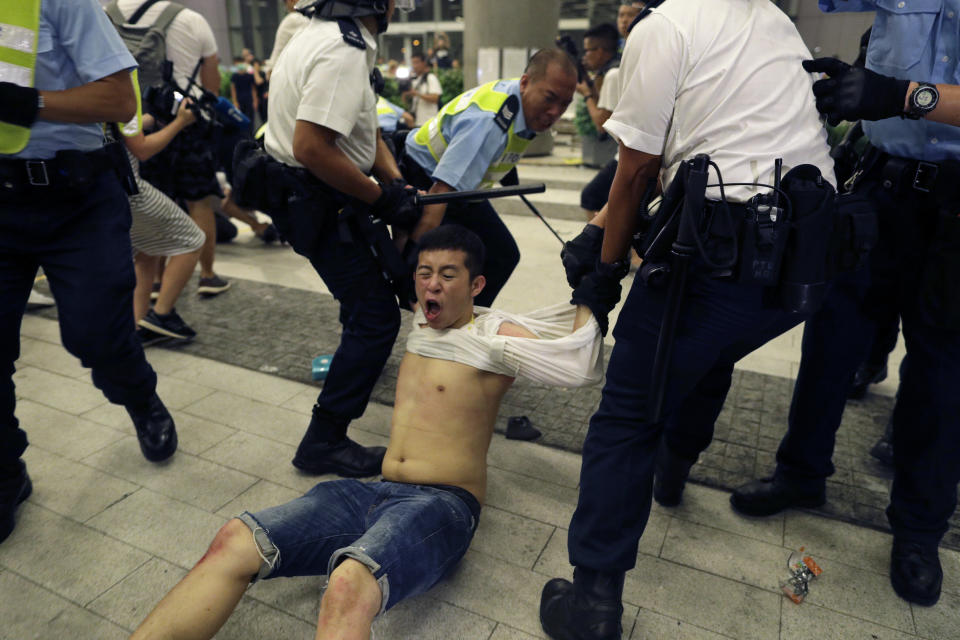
column 609, row 90
column 291, row 23
column 189, row 38
column 321, row 79
column 721, row 77
column 422, row 109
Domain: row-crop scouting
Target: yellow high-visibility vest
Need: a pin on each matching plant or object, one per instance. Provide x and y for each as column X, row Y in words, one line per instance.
column 430, row 135
column 19, row 32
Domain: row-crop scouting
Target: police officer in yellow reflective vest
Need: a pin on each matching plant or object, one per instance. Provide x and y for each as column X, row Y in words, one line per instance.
column 475, row 140
column 63, row 69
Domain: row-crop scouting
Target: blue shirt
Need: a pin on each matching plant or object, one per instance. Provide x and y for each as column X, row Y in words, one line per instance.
column 474, row 140
column 77, row 44
column 389, row 121
column 912, row 40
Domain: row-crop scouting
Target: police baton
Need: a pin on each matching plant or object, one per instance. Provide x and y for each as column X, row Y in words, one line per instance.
column 681, row 254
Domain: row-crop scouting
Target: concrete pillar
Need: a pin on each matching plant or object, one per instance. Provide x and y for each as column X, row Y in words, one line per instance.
column 531, row 24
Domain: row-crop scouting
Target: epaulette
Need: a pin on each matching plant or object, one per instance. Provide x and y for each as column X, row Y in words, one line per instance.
column 508, row 112
column 351, row 33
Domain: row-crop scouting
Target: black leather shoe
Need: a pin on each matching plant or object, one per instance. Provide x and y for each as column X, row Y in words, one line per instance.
column 772, row 495
column 13, row 491
column 155, row 429
column 868, row 374
column 670, row 476
column 343, row 457
column 589, row 608
column 915, row 572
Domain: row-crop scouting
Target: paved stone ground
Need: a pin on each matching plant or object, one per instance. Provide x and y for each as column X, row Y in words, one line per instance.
column 278, row 330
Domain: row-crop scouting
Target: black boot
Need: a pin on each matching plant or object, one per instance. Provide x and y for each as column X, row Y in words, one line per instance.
column 15, row 487
column 772, row 495
column 325, row 448
column 155, row 429
column 883, row 449
column 670, row 476
column 868, row 373
column 915, row 572
column 589, row 608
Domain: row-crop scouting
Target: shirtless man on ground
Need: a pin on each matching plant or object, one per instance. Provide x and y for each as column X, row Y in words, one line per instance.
column 379, row 542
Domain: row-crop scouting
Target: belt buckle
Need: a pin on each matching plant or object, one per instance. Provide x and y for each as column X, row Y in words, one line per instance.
column 925, row 176
column 37, row 173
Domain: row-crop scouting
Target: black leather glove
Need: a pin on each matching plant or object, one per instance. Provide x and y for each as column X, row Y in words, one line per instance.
column 855, row 93
column 396, row 205
column 600, row 291
column 18, row 105
column 580, row 254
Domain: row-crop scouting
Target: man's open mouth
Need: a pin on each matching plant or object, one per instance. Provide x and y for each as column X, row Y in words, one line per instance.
column 432, row 309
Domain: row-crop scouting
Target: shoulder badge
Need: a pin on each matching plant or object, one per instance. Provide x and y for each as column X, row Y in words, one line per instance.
column 508, row 112
column 351, row 33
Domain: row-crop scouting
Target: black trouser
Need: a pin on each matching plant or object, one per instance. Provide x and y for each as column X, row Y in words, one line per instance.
column 597, row 191
column 913, row 272
column 721, row 321
column 82, row 241
column 479, row 216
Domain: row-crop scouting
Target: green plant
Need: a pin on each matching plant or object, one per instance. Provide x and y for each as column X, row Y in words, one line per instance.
column 391, row 91
column 582, row 120
column 451, row 80
column 225, row 82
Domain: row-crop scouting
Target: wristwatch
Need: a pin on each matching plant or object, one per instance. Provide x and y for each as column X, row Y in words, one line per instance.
column 618, row 269
column 922, row 101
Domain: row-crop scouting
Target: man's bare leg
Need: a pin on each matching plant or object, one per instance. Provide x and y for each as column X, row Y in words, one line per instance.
column 202, row 213
column 349, row 604
column 198, row 606
column 145, row 267
column 232, row 209
column 175, row 277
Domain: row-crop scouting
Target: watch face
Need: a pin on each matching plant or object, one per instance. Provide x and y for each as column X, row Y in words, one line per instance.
column 924, row 97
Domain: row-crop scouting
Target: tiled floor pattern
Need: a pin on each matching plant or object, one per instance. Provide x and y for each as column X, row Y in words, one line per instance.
column 106, row 533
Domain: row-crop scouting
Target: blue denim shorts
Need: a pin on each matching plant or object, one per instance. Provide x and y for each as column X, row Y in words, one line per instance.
column 408, row 535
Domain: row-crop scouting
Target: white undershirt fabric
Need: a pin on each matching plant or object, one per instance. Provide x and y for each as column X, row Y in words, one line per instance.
column 291, row 23
column 560, row 358
column 721, row 77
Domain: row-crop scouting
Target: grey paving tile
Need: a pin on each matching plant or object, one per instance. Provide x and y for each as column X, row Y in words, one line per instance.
column 500, row 591
column 167, row 528
column 554, row 557
column 51, row 357
column 950, row 560
column 240, row 381
column 60, row 392
column 66, row 557
column 251, row 416
column 261, row 495
column 708, row 506
column 425, row 618
column 510, row 537
column 72, row 489
column 726, row 554
column 299, row 597
column 253, row 619
column 655, row 532
column 704, row 600
column 824, row 538
column 504, row 632
column 939, row 622
column 651, row 625
column 531, row 459
column 30, row 612
column 810, row 621
column 304, row 400
column 177, row 394
column 183, row 477
column 62, row 433
column 861, row 593
column 195, row 435
column 376, row 419
column 264, row 458
column 128, row 602
column 531, row 498
column 40, row 328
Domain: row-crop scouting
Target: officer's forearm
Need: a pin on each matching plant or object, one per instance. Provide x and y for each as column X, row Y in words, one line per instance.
column 948, row 109
column 633, row 173
column 315, row 147
column 432, row 213
column 109, row 99
column 385, row 165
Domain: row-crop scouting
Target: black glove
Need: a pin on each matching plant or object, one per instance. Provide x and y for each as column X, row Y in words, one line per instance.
column 855, row 93
column 18, row 105
column 396, row 205
column 600, row 291
column 580, row 254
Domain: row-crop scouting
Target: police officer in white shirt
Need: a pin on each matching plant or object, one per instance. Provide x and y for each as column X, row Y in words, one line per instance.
column 717, row 77
column 322, row 127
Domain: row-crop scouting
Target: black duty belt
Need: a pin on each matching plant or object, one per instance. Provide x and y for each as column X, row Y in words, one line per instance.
column 907, row 175
column 68, row 169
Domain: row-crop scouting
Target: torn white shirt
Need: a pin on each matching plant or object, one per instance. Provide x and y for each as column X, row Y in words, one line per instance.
column 560, row 358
